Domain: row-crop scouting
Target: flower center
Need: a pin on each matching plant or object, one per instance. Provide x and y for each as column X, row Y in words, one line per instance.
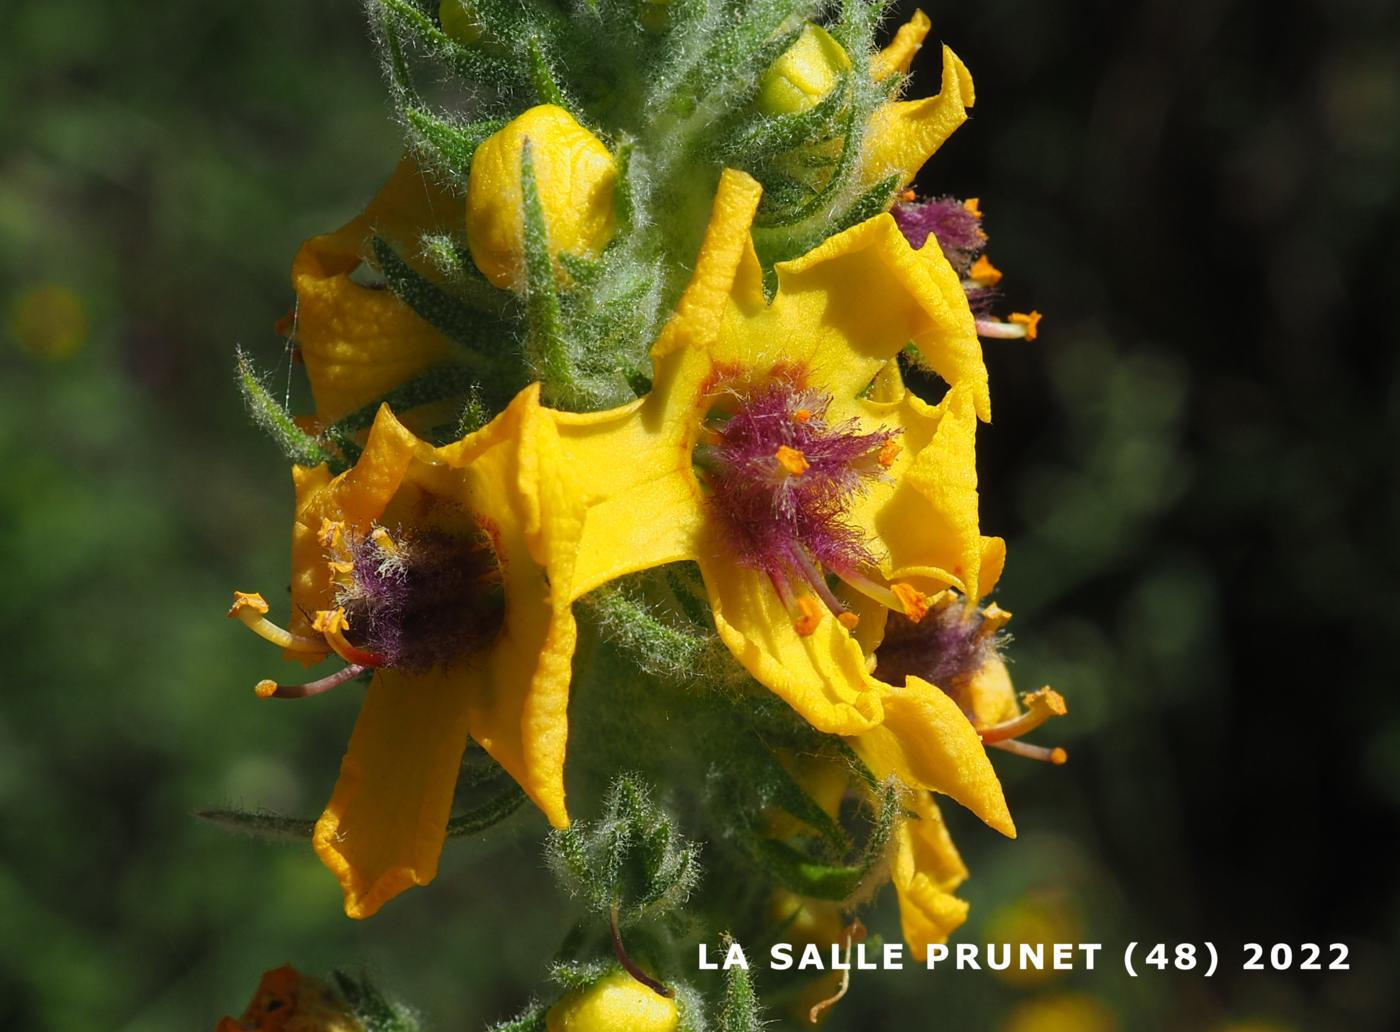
column 418, row 599
column 781, row 479
column 413, row 600
column 947, row 647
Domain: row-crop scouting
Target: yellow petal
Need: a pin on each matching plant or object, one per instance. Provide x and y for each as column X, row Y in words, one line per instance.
column 991, row 695
column 899, row 55
column 629, row 471
column 359, row 343
column 849, row 305
column 993, row 562
column 927, row 742
column 821, row 675
column 384, row 827
column 726, row 270
column 925, row 871
column 519, row 706
column 902, row 135
column 929, row 526
column 357, row 498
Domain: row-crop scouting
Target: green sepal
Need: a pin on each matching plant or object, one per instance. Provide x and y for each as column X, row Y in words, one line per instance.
column 479, row 333
column 271, row 827
column 770, row 135
column 585, row 272
column 631, row 858
column 276, row 827
column 532, row 1019
column 274, row 420
column 372, row 1008
column 445, row 145
column 740, row 1011
column 800, row 873
column 438, row 383
column 542, row 75
column 545, row 350
column 488, row 814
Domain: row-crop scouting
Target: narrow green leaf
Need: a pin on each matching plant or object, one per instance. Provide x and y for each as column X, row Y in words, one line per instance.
column 447, row 145
column 542, row 75
column 296, row 444
column 487, row 815
column 532, row 1020
column 546, row 353
column 371, row 1008
column 260, row 824
column 740, row 1011
column 436, row 384
column 479, row 332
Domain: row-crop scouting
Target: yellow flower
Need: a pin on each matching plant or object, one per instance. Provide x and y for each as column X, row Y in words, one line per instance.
column 1064, row 1012
column 453, row 594
column 615, row 1003
column 576, row 178
column 804, row 75
column 925, row 871
column 840, row 314
column 903, row 134
column 287, row 1001
column 360, row 343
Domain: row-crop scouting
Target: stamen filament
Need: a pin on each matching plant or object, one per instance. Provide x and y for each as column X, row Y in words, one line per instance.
column 272, row 690
column 1041, row 706
column 813, row 576
column 871, row 589
column 251, row 609
column 332, row 623
column 1057, row 756
column 1018, row 326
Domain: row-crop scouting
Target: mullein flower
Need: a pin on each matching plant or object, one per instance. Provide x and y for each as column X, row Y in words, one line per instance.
column 758, row 454
column 288, row 1001
column 442, row 570
column 357, row 341
column 576, row 179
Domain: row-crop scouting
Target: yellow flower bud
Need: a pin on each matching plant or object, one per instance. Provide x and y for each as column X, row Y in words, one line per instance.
column 460, row 22
column 575, row 176
column 614, row 1003
column 804, row 75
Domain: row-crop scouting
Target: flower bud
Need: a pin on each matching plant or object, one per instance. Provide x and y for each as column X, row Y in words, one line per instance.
column 804, row 75
column 614, row 1003
column 460, row 22
column 575, row 177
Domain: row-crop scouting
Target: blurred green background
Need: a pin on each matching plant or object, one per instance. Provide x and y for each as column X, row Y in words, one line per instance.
column 1195, row 466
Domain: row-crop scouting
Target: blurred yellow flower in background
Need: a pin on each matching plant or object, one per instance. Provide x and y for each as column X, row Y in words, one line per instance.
column 49, row 321
column 1066, row 1012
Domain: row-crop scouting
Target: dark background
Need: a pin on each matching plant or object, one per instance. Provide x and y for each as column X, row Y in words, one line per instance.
column 1195, row 468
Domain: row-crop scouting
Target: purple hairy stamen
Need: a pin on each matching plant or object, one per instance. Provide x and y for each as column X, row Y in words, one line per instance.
column 787, row 516
column 424, row 600
column 946, row 648
column 957, row 229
